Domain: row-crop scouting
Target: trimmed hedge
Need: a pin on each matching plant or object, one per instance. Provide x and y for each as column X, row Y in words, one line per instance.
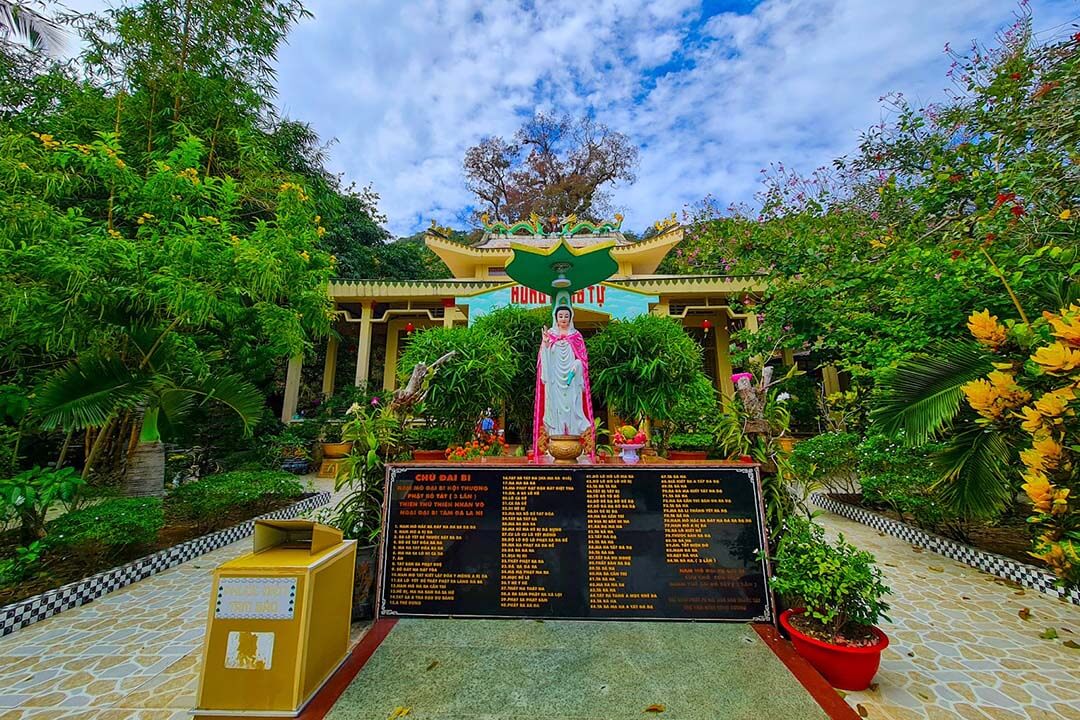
column 215, row 495
column 110, row 525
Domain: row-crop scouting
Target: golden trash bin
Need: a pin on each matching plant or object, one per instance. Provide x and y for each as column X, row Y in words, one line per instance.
column 279, row 620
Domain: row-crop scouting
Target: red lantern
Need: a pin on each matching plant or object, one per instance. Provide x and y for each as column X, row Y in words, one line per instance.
column 707, row 325
column 409, row 327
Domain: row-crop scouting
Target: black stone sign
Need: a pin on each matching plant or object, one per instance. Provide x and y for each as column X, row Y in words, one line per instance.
column 577, row 541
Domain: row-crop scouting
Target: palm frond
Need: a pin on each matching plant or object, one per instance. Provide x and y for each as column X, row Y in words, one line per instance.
column 975, row 471
column 88, row 392
column 19, row 21
column 922, row 394
column 174, row 405
column 230, row 390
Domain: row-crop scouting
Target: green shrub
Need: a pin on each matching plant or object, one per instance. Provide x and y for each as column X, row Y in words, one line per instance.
column 902, row 479
column 521, row 329
column 479, row 376
column 829, row 459
column 646, row 368
column 109, row 526
column 22, row 564
column 27, row 498
column 431, row 438
column 216, row 495
column 691, row 441
column 839, row 585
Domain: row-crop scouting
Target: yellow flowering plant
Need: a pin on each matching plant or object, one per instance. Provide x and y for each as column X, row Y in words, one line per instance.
column 1037, row 391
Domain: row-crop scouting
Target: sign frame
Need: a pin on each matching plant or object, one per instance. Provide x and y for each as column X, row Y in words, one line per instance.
column 763, row 562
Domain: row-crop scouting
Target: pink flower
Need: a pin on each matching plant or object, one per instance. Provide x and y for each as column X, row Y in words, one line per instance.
column 874, row 215
column 374, row 402
column 740, row 376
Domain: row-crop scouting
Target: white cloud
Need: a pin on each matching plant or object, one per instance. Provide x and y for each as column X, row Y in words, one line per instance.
column 406, row 87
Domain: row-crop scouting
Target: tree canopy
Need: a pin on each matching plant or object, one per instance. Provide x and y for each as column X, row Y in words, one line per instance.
column 553, row 166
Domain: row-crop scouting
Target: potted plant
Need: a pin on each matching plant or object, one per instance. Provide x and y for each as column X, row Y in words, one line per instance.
column 292, row 451
column 837, row 591
column 605, row 451
column 429, row 443
column 689, row 446
column 376, row 436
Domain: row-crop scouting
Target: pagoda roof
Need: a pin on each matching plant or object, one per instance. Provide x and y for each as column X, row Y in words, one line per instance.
column 345, row 290
column 502, row 241
column 643, row 256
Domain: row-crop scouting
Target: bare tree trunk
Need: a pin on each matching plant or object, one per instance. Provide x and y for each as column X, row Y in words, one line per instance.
column 145, row 475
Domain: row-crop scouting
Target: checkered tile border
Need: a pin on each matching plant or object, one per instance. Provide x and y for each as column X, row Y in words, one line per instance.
column 1003, row 567
column 31, row 610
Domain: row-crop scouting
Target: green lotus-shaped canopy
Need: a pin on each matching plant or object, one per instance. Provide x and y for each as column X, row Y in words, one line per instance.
column 561, row 267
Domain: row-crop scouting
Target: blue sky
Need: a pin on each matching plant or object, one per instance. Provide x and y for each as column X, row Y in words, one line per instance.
column 711, row 91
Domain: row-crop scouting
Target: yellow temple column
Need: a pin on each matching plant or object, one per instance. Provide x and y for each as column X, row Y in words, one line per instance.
column 292, row 388
column 393, row 330
column 789, row 356
column 329, row 372
column 722, row 339
column 662, row 308
column 831, row 379
column 451, row 315
column 363, row 348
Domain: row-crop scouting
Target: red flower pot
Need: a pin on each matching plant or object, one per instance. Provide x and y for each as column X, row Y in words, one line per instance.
column 429, row 456
column 687, row 455
column 846, row 668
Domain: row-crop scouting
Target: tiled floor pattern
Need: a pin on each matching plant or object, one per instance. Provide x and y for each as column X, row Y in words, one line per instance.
column 959, row 646
column 134, row 653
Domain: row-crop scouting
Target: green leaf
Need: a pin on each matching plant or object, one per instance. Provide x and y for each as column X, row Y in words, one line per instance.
column 975, row 472
column 87, row 393
column 922, row 395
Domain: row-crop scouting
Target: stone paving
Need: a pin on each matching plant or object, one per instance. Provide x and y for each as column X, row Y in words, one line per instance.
column 134, row 653
column 959, row 646
column 131, row 654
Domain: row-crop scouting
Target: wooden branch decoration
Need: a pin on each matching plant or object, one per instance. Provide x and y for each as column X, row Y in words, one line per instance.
column 419, row 383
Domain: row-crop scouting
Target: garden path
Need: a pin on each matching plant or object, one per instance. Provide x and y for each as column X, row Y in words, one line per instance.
column 134, row 653
column 960, row 647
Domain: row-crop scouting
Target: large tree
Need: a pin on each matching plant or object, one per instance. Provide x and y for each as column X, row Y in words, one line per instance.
column 553, row 166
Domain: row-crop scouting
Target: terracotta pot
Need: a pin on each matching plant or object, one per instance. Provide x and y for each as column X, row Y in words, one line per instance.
column 429, row 456
column 846, row 668
column 335, row 450
column 687, row 455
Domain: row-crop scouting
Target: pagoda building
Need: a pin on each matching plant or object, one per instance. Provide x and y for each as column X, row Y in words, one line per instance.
column 375, row 317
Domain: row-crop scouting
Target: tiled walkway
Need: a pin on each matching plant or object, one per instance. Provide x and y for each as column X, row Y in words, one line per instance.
column 959, row 646
column 132, row 654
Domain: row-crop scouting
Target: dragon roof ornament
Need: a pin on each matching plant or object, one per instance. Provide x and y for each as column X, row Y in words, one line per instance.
column 567, row 226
